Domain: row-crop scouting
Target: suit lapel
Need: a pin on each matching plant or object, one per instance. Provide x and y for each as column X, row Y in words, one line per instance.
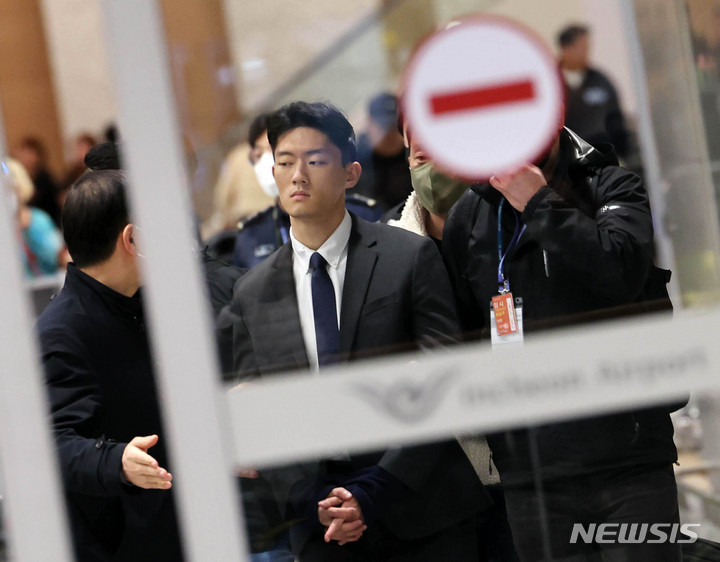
column 360, row 265
column 283, row 317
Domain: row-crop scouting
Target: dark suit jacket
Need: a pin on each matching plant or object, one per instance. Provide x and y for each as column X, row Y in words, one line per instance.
column 102, row 393
column 396, row 296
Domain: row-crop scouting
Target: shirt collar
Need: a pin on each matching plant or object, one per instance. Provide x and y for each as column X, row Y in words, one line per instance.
column 332, row 249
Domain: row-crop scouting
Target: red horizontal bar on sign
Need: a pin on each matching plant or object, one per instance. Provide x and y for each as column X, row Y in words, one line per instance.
column 478, row 98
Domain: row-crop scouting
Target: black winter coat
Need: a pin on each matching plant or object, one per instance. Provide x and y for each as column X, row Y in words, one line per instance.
column 593, row 111
column 587, row 247
column 102, row 393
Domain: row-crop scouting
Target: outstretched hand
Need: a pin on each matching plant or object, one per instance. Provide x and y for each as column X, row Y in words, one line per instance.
column 141, row 469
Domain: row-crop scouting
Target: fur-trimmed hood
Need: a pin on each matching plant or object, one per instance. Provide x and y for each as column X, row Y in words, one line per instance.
column 412, row 217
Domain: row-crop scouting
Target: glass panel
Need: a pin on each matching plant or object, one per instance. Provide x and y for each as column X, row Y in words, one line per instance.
column 441, row 494
column 679, row 124
column 279, row 58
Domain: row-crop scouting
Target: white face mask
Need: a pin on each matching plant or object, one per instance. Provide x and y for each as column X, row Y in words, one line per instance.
column 263, row 172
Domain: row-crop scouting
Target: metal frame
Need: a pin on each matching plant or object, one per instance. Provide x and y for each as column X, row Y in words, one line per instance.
column 194, row 409
column 596, row 378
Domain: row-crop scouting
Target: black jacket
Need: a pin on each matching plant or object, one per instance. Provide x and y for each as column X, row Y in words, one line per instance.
column 593, row 111
column 261, row 234
column 220, row 278
column 102, row 393
column 396, row 297
column 587, row 248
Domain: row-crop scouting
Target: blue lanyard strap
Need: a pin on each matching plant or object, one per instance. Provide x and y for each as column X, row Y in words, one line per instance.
column 504, row 284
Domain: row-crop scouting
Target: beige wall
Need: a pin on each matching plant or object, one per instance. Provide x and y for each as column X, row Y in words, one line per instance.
column 27, row 91
column 705, row 20
column 611, row 51
column 604, row 17
column 79, row 64
column 270, row 41
column 200, row 61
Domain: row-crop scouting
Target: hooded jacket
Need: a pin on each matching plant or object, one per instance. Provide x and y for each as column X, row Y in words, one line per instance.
column 586, row 251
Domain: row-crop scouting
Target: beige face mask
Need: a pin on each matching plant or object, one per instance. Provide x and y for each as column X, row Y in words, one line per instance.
column 436, row 191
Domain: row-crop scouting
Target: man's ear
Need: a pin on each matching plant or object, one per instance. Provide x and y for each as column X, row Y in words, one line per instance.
column 127, row 240
column 352, row 174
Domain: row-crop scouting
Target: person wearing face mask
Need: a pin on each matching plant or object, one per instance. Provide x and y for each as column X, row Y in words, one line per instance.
column 237, row 194
column 434, row 193
column 425, row 212
column 263, row 233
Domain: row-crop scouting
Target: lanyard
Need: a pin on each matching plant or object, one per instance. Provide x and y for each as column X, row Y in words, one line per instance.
column 504, row 284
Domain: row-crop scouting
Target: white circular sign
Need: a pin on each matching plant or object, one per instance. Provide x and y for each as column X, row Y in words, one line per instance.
column 483, row 96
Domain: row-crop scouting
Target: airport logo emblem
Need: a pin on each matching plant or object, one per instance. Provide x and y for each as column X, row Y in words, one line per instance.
column 408, row 400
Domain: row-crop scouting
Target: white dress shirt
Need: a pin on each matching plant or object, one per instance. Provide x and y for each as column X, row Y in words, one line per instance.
column 335, row 251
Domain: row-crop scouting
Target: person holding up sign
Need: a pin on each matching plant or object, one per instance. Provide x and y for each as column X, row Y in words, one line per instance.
column 570, row 238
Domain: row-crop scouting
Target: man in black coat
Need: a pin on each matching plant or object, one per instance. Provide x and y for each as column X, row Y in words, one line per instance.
column 388, row 292
column 99, row 374
column 583, row 249
column 592, row 105
column 220, row 277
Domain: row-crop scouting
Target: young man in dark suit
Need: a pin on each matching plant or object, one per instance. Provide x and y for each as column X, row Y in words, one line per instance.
column 339, row 290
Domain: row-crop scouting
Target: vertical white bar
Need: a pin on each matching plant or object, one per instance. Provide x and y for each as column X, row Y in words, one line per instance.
column 194, row 405
column 32, row 503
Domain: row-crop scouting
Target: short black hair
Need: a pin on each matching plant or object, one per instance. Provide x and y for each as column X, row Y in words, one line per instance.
column 94, row 215
column 257, row 127
column 103, row 156
column 321, row 116
column 571, row 33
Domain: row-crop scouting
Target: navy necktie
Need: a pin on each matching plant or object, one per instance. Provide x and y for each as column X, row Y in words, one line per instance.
column 325, row 312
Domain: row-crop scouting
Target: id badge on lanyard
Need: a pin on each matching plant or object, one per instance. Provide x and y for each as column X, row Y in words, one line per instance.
column 506, row 319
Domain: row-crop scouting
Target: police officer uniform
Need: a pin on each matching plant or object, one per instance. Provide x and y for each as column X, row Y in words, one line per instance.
column 263, row 233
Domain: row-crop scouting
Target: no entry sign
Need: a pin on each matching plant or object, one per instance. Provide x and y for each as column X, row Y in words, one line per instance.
column 483, row 96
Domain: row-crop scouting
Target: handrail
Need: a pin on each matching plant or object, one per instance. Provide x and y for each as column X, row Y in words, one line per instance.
column 330, row 53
